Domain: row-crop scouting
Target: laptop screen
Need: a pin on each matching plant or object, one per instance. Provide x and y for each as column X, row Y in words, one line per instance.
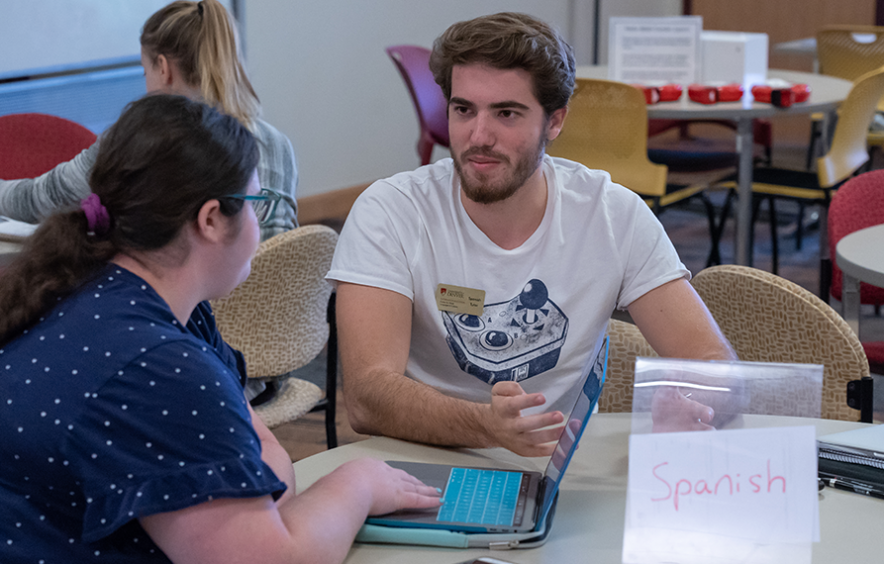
column 587, row 399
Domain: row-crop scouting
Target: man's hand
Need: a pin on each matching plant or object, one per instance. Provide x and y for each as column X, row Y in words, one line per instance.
column 672, row 411
column 526, row 436
column 570, row 433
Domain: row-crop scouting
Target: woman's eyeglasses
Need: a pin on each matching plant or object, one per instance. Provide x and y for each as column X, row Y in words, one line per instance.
column 264, row 202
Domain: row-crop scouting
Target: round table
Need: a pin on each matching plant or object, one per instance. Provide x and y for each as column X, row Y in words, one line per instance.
column 826, row 94
column 860, row 256
column 588, row 526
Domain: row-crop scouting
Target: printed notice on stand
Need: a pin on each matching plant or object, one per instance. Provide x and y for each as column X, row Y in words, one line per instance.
column 745, row 495
column 654, row 51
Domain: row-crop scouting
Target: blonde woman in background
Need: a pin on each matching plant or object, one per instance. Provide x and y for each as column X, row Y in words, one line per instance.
column 188, row 48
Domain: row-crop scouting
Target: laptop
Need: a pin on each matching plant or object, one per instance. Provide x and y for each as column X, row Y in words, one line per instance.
column 489, row 500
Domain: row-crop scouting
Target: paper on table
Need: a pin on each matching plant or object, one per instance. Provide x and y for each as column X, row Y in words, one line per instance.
column 868, row 438
column 654, row 50
column 12, row 230
column 717, row 494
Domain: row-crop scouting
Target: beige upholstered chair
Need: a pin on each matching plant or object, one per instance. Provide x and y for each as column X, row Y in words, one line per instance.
column 626, row 343
column 770, row 319
column 280, row 319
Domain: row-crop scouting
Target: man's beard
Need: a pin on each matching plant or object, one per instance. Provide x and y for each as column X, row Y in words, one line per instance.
column 483, row 193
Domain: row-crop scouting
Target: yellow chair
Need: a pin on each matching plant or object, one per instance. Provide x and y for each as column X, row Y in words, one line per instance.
column 282, row 317
column 607, row 129
column 848, row 52
column 770, row 319
column 846, row 155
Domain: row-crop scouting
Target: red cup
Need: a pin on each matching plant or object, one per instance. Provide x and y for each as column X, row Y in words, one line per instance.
column 730, row 93
column 779, row 97
column 703, row 94
column 800, row 93
column 651, row 93
column 670, row 92
column 761, row 93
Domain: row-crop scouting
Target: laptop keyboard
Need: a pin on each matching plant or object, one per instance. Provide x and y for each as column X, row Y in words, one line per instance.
column 486, row 497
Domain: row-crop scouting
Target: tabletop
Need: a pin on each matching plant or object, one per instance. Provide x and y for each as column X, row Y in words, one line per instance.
column 860, row 256
column 589, row 520
column 827, row 93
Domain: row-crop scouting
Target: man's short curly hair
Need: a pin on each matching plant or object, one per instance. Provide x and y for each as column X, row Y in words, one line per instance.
column 509, row 41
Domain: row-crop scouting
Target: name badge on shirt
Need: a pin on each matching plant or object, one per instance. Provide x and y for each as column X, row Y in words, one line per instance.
column 457, row 299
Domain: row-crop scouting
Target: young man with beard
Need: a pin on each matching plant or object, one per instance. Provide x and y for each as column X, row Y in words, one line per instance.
column 545, row 247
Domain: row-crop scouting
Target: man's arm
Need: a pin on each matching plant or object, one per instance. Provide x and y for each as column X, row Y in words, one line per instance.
column 676, row 323
column 374, row 329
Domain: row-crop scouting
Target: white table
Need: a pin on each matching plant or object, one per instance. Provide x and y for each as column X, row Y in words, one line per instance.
column 860, row 256
column 588, row 525
column 826, row 94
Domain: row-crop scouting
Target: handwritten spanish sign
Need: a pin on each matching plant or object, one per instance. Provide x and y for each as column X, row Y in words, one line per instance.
column 719, row 493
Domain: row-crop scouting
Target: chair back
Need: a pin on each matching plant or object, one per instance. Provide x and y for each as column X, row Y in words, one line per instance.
column 858, row 203
column 849, row 151
column 32, row 144
column 770, row 319
column 413, row 63
column 626, row 343
column 849, row 51
column 607, row 129
column 277, row 317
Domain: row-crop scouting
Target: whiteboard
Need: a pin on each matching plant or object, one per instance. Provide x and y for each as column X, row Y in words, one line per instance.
column 47, row 34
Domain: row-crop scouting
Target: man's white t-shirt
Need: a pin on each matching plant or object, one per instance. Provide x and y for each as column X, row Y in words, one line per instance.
column 547, row 302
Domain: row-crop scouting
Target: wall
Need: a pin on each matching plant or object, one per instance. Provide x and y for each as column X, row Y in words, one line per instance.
column 36, row 34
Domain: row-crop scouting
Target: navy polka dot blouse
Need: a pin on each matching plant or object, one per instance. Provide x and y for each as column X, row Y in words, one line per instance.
column 110, row 410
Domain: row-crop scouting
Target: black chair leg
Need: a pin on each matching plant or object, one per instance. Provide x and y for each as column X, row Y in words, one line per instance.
column 799, row 230
column 774, row 240
column 825, row 279
column 815, row 134
column 714, row 254
column 756, row 207
column 331, row 377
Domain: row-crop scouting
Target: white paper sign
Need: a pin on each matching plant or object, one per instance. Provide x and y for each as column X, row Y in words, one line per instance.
column 654, row 50
column 728, row 487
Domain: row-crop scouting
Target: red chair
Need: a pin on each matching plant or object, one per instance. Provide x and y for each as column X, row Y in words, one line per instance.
column 413, row 63
column 858, row 204
column 32, row 144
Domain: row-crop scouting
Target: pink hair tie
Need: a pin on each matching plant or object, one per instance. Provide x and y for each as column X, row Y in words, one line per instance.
column 97, row 218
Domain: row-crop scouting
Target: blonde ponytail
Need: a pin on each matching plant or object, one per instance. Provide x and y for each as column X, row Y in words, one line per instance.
column 200, row 38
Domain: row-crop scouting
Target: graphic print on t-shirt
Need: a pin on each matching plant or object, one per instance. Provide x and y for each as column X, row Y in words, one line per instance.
column 512, row 340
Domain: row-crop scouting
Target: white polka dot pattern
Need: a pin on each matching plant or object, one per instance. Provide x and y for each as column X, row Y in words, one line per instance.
column 128, row 413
